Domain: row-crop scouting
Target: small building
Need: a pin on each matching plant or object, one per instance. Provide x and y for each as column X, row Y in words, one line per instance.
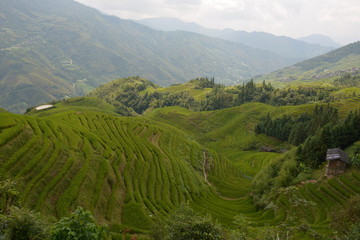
column 337, row 161
column 43, row 107
column 266, row 149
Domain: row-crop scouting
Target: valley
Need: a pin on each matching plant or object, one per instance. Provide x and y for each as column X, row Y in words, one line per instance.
column 114, row 129
column 129, row 170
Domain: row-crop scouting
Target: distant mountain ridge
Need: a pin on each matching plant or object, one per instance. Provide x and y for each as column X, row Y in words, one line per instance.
column 281, row 45
column 321, row 40
column 57, row 49
column 345, row 60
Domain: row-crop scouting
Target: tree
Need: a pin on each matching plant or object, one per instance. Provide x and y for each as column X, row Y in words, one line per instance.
column 79, row 226
column 8, row 194
column 186, row 224
column 23, row 224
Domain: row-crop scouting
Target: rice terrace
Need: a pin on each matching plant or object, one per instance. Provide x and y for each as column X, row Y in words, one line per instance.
column 157, row 128
column 129, row 171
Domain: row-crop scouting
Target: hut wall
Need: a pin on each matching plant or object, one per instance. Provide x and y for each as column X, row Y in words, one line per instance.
column 335, row 167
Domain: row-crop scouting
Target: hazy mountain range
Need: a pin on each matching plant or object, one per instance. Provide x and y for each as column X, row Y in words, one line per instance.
column 284, row 46
column 344, row 60
column 54, row 49
column 320, row 40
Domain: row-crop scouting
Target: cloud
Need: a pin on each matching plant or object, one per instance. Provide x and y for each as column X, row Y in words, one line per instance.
column 338, row 19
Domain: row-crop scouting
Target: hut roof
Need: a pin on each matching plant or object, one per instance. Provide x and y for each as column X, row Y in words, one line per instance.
column 336, row 154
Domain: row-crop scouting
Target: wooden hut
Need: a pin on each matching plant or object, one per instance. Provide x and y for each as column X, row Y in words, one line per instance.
column 337, row 161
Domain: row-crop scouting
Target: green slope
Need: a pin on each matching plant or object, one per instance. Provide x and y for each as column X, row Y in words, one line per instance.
column 134, row 95
column 122, row 169
column 230, row 133
column 322, row 68
column 129, row 169
column 78, row 104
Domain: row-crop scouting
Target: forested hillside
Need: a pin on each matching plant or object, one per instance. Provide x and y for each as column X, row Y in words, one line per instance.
column 134, row 95
column 56, row 49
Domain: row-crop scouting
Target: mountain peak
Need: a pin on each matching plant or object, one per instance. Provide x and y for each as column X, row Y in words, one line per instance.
column 320, row 40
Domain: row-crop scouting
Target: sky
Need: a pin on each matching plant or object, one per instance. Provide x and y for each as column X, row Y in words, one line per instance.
column 338, row 19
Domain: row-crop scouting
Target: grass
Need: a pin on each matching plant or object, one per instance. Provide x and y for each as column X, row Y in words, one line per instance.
column 103, row 163
column 78, row 104
column 127, row 170
column 229, row 132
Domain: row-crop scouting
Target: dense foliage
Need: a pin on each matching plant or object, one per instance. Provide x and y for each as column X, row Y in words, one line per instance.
column 134, row 95
column 129, row 97
column 186, row 224
column 79, row 226
column 23, row 224
column 296, row 129
column 8, row 194
column 315, row 132
column 348, row 80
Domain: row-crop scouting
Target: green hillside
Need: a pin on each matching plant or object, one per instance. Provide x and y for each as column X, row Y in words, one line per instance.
column 122, row 169
column 230, row 132
column 325, row 67
column 130, row 171
column 55, row 49
column 134, row 96
column 78, row 104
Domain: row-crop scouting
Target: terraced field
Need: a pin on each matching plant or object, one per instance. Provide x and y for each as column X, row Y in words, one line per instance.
column 230, row 133
column 127, row 170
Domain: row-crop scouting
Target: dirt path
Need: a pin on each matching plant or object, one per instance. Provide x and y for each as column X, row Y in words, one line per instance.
column 204, row 170
column 205, row 165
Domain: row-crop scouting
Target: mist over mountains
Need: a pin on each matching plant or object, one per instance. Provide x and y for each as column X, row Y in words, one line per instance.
column 284, row 46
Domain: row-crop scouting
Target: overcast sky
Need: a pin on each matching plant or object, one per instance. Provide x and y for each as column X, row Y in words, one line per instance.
column 338, row 19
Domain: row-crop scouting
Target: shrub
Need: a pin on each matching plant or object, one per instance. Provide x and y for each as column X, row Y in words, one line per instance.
column 79, row 226
column 23, row 224
column 186, row 224
column 8, row 194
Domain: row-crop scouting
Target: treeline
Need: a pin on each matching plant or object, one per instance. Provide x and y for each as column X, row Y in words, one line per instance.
column 296, row 130
column 348, row 80
column 130, row 101
column 339, row 134
column 134, row 95
column 222, row 97
column 131, row 96
column 313, row 133
column 203, row 82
